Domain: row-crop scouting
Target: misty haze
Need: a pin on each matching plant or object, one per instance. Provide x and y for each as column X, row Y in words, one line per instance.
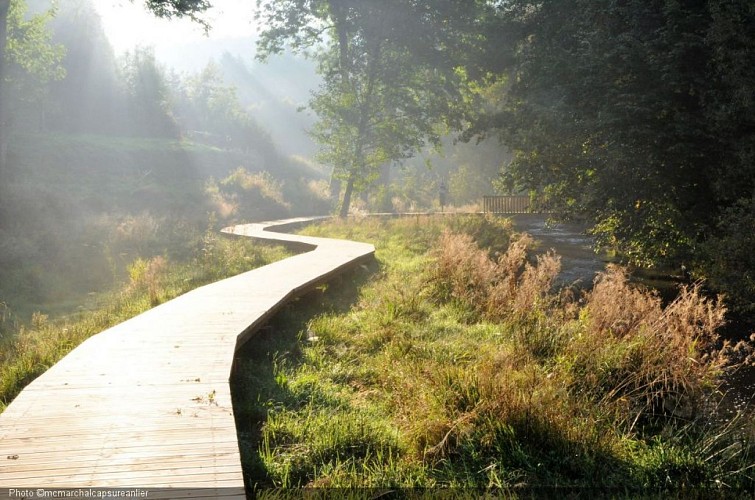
column 554, row 204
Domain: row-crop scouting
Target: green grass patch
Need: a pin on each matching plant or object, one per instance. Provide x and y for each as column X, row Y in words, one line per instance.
column 450, row 365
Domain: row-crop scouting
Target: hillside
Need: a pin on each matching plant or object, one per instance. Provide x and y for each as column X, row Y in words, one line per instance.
column 75, row 211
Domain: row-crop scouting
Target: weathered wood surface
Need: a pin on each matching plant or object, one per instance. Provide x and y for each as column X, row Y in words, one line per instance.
column 147, row 403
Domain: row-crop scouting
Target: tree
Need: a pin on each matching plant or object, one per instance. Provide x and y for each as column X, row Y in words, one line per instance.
column 607, row 113
column 4, row 8
column 210, row 109
column 636, row 115
column 161, row 8
column 86, row 100
column 148, row 96
column 388, row 71
column 28, row 62
column 179, row 8
column 378, row 111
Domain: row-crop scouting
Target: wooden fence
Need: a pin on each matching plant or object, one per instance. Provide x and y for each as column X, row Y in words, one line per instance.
column 506, row 204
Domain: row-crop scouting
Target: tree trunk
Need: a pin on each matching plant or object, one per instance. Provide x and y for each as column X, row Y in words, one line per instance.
column 347, row 197
column 338, row 11
column 334, row 187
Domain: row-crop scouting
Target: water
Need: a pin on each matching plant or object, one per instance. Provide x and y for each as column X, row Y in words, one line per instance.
column 739, row 391
column 579, row 262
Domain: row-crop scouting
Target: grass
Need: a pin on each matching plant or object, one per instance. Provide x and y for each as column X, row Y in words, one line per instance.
column 27, row 351
column 456, row 365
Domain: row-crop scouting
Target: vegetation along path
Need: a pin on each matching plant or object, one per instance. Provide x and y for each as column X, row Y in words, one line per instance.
column 147, row 403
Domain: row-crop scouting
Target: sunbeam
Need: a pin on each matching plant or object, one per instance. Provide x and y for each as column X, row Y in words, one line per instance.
column 128, row 24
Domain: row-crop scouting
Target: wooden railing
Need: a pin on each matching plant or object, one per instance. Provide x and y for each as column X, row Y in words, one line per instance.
column 506, row 204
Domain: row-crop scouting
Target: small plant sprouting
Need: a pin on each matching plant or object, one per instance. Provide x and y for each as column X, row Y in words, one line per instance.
column 209, row 398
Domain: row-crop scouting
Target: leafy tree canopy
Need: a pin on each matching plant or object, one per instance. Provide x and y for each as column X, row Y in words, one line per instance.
column 179, row 8
column 390, row 71
column 633, row 114
column 29, row 44
column 638, row 116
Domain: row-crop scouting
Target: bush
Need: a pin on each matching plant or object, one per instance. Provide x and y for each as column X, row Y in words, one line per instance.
column 728, row 260
column 255, row 196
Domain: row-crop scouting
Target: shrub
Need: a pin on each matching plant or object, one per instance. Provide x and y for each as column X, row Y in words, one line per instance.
column 728, row 260
column 148, row 275
column 249, row 196
column 463, row 272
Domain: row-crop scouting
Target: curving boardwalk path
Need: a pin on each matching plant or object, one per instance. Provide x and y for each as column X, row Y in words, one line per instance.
column 147, row 404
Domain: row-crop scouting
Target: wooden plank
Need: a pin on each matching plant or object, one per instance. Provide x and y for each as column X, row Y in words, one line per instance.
column 146, row 403
column 132, row 473
column 53, row 465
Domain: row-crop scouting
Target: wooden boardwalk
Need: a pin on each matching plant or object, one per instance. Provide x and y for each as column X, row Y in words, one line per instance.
column 147, row 404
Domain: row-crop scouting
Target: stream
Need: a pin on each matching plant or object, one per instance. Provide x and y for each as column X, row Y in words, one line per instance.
column 579, row 262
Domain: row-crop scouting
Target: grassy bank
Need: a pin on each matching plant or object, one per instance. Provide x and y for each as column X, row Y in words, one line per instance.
column 28, row 350
column 452, row 363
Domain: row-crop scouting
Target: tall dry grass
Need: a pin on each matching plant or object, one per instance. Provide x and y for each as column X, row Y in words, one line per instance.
column 644, row 359
column 616, row 345
column 495, row 288
column 487, row 376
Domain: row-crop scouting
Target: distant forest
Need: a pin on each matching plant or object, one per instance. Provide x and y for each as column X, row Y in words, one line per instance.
column 85, row 88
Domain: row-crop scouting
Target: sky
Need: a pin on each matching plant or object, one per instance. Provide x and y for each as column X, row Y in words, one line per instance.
column 129, row 24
